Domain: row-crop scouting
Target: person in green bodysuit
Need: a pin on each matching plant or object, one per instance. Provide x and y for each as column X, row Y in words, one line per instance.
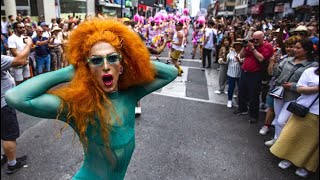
column 109, row 72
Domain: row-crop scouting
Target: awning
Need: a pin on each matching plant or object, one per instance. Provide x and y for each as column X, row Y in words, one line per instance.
column 279, row 8
column 242, row 11
column 257, row 9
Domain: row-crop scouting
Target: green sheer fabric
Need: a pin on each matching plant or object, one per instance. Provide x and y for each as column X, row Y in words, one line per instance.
column 31, row 98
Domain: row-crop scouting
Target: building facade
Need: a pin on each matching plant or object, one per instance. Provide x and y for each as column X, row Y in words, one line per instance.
column 226, row 8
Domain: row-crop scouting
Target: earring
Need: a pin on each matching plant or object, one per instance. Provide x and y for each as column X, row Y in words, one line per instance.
column 121, row 70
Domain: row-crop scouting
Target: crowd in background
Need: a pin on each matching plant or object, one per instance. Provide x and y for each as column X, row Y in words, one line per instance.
column 254, row 57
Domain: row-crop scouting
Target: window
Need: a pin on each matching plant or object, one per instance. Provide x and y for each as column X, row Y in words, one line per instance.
column 73, row 6
column 230, row 8
column 3, row 12
column 22, row 3
column 33, row 7
column 23, row 12
column 2, row 4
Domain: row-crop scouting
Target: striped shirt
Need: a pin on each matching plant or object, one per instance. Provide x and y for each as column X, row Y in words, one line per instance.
column 234, row 67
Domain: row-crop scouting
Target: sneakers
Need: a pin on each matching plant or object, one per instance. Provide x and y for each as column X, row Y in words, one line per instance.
column 229, row 104
column 284, row 164
column 226, row 92
column 264, row 130
column 270, row 142
column 218, row 92
column 20, row 163
column 239, row 113
column 235, row 96
column 4, row 159
column 302, row 172
column 138, row 111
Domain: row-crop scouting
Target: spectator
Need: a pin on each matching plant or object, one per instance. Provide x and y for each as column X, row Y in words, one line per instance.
column 55, row 48
column 287, row 74
column 4, row 26
column 208, row 45
column 9, row 123
column 276, row 59
column 234, row 69
column 301, row 31
column 16, row 44
column 298, row 143
column 42, row 52
column 4, row 45
column 224, row 51
column 257, row 54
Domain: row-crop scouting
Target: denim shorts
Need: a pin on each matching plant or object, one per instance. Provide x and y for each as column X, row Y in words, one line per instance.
column 270, row 101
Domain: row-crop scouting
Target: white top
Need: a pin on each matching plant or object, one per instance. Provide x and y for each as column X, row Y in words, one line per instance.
column 209, row 34
column 4, row 27
column 16, row 42
column 176, row 40
column 234, row 67
column 309, row 78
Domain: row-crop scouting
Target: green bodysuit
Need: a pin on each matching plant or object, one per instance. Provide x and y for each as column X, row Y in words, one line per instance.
column 31, row 98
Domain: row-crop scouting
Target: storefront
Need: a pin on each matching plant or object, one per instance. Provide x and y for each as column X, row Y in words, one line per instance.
column 256, row 10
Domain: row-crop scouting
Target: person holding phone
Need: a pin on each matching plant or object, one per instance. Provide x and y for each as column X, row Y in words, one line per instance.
column 287, row 74
column 9, row 123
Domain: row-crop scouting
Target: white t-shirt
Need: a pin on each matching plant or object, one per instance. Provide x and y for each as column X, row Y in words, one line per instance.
column 210, row 35
column 15, row 41
column 309, row 78
column 4, row 27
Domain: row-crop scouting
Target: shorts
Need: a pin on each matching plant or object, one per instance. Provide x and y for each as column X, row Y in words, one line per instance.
column 270, row 101
column 175, row 55
column 9, row 124
column 20, row 73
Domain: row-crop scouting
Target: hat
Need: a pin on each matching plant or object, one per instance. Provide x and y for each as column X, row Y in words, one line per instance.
column 238, row 41
column 301, row 28
column 56, row 28
column 44, row 24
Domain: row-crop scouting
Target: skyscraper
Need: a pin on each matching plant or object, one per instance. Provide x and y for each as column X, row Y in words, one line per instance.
column 205, row 3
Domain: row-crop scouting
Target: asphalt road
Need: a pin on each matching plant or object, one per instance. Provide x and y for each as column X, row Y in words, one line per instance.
column 185, row 132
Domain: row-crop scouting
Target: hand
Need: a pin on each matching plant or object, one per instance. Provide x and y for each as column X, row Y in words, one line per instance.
column 250, row 45
column 28, row 41
column 286, row 85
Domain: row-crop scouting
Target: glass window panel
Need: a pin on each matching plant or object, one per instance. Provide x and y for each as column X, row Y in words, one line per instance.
column 22, row 3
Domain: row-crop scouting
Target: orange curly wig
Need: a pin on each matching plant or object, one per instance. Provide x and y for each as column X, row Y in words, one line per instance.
column 82, row 98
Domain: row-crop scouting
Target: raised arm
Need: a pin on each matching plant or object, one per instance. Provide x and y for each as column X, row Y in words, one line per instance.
column 164, row 75
column 31, row 97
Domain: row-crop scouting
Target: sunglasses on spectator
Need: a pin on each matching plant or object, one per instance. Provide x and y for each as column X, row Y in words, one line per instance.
column 111, row 58
column 20, row 27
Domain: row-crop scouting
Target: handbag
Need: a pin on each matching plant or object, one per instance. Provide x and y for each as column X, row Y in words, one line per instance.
column 278, row 91
column 299, row 109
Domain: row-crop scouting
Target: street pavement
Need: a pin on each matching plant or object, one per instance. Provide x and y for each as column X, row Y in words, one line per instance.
column 185, row 132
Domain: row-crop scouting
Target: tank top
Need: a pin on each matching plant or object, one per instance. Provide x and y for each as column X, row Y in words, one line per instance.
column 176, row 39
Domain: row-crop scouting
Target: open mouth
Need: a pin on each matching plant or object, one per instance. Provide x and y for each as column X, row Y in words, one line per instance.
column 107, row 79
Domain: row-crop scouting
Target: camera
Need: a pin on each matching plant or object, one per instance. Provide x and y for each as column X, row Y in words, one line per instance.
column 24, row 40
column 245, row 42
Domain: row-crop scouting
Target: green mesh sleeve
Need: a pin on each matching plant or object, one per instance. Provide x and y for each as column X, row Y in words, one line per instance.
column 164, row 75
column 31, row 96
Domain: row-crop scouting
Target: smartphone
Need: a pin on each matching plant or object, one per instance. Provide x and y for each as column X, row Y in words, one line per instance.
column 24, row 40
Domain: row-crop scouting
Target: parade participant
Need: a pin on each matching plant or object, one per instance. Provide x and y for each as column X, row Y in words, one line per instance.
column 110, row 71
column 197, row 37
column 9, row 123
column 177, row 47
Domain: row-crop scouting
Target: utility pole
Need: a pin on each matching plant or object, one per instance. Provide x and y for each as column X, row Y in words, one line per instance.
column 121, row 8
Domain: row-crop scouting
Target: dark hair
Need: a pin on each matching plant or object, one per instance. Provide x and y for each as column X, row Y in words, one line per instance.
column 317, row 71
column 152, row 23
column 10, row 16
column 211, row 22
column 15, row 25
column 307, row 45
